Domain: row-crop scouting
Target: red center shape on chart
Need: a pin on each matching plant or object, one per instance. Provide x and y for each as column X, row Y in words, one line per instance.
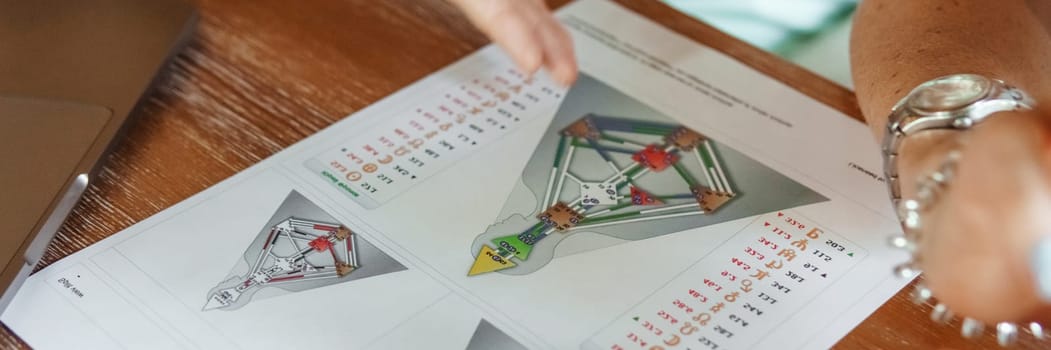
column 655, row 158
column 321, row 244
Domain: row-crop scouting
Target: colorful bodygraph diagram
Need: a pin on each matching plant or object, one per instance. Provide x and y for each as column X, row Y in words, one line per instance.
column 302, row 248
column 626, row 177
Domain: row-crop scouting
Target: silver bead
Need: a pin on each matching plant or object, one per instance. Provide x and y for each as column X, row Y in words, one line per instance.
column 1006, row 333
column 906, row 270
column 925, row 193
column 953, row 156
column 972, row 328
column 941, row 314
column 900, row 242
column 921, row 294
column 906, row 206
column 939, row 177
column 962, row 122
column 1037, row 330
column 911, row 220
column 948, row 171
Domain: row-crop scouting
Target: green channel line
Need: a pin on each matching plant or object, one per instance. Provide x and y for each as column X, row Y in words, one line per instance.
column 536, row 228
column 581, row 144
column 632, row 172
column 714, row 159
column 707, row 158
column 578, row 143
column 561, row 146
column 652, row 127
column 685, row 176
column 609, row 217
column 629, row 175
column 651, row 130
column 609, row 137
column 669, row 197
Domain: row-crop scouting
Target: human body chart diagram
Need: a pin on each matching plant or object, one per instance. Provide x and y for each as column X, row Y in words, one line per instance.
column 617, row 199
column 624, row 176
column 303, row 248
column 313, row 250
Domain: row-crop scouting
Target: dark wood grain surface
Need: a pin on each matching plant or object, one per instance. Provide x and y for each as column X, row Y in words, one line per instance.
column 260, row 75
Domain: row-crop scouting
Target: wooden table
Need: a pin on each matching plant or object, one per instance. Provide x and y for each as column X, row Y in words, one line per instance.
column 260, row 75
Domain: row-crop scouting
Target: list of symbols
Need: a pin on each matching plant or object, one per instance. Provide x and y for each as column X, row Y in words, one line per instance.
column 432, row 135
column 729, row 299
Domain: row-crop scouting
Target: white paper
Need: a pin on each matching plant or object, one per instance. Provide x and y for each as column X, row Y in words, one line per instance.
column 460, row 164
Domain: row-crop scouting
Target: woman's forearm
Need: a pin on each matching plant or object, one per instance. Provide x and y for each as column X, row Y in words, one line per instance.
column 978, row 233
column 896, row 45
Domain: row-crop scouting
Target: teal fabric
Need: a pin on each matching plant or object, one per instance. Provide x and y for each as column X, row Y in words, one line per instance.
column 778, row 26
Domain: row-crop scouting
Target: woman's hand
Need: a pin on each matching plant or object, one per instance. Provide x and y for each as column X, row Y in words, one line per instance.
column 528, row 32
column 979, row 237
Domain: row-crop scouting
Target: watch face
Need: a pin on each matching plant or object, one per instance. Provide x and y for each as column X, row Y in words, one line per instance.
column 949, row 93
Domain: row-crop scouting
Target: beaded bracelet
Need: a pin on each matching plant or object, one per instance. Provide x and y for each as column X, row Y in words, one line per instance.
column 928, row 190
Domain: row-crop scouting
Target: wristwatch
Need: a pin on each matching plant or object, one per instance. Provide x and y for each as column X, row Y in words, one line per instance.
column 954, row 102
column 957, row 101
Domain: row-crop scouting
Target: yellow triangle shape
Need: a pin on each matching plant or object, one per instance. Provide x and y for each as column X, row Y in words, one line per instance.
column 488, row 261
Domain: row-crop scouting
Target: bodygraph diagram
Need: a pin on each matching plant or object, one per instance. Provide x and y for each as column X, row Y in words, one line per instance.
column 301, row 248
column 610, row 169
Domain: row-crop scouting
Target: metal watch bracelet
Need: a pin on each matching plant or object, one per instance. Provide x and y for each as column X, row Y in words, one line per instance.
column 1001, row 97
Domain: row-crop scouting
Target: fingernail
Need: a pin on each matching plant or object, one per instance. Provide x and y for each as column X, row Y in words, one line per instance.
column 571, row 77
column 1041, row 266
column 559, row 75
column 566, row 80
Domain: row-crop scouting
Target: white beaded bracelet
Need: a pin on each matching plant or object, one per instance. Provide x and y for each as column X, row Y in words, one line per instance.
column 910, row 212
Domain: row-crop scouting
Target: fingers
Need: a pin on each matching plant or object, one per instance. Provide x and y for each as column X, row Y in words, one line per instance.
column 515, row 33
column 558, row 51
column 528, row 32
